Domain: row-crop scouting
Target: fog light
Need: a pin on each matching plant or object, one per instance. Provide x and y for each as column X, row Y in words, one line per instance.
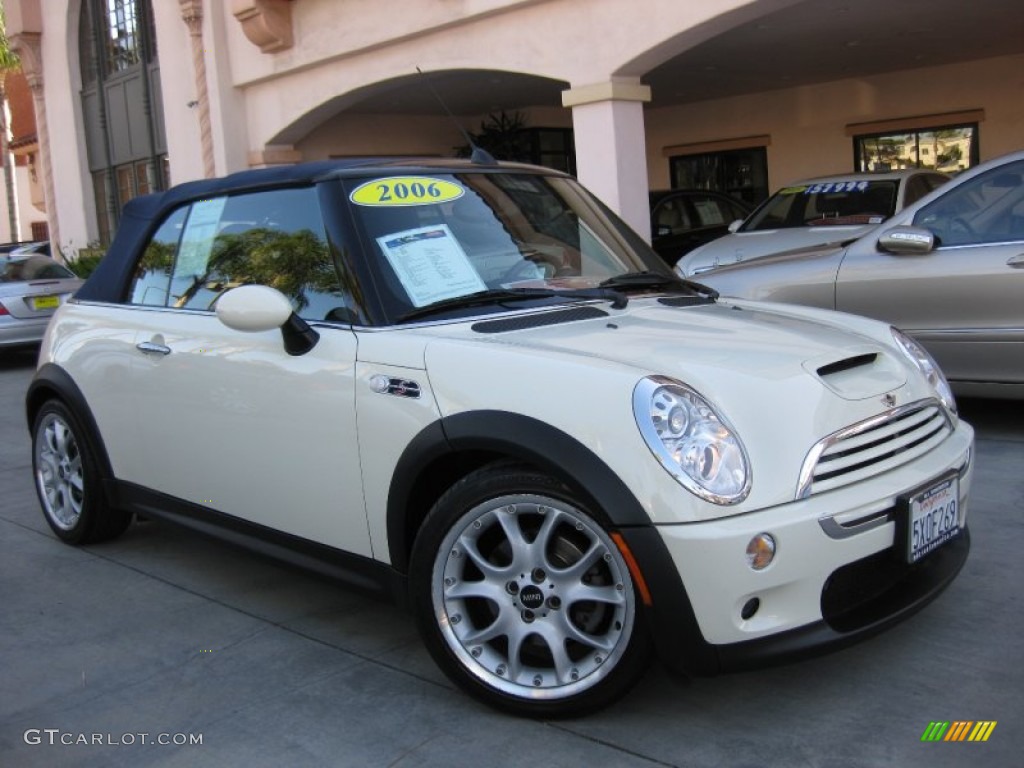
column 761, row 551
column 750, row 608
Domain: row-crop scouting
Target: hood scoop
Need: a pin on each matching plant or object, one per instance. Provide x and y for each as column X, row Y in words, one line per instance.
column 847, row 364
column 859, row 373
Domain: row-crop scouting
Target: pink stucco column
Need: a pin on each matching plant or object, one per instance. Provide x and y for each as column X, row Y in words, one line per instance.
column 611, row 155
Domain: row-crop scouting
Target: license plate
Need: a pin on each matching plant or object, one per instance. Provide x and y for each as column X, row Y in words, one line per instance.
column 45, row 302
column 934, row 518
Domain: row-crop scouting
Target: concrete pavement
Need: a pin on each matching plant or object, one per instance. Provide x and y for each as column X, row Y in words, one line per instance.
column 168, row 634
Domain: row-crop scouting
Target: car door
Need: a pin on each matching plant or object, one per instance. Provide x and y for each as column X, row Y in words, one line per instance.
column 226, row 419
column 963, row 300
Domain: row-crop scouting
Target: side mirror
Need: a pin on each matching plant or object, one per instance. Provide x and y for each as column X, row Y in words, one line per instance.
column 907, row 241
column 735, row 225
column 253, row 308
column 257, row 308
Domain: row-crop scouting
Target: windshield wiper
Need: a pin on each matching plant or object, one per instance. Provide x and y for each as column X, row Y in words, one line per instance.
column 498, row 295
column 647, row 279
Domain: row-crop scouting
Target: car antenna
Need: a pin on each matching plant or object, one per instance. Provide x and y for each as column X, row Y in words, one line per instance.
column 479, row 155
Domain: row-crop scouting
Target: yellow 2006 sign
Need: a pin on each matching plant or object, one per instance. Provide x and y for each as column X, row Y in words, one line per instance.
column 406, row 190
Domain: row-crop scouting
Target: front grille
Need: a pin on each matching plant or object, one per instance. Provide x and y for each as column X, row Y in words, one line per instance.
column 873, row 446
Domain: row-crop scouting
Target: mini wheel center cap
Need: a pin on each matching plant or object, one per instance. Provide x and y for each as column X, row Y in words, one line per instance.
column 531, row 597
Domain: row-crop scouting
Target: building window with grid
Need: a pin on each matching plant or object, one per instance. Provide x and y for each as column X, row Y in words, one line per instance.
column 122, row 35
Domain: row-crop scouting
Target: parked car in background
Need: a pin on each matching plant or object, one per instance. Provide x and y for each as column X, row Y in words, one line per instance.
column 472, row 387
column 683, row 219
column 15, row 245
column 38, row 246
column 828, row 209
column 32, row 286
column 949, row 270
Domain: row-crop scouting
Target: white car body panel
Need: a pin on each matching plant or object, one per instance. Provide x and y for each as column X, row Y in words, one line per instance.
column 249, row 406
column 712, row 553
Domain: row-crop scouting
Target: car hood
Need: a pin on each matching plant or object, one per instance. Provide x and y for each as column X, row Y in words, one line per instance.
column 743, row 246
column 731, row 347
column 780, row 375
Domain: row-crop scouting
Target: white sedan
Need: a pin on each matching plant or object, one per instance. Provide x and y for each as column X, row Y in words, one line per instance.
column 818, row 211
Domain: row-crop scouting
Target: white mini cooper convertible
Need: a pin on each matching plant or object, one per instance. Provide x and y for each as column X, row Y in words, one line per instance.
column 471, row 387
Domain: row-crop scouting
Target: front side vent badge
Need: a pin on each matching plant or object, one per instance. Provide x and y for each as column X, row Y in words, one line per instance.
column 390, row 385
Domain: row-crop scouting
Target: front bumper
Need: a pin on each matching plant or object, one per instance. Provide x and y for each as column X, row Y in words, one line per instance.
column 823, row 590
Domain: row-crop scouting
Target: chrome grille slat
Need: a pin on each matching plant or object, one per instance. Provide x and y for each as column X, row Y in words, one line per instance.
column 820, row 486
column 881, row 433
column 875, row 445
column 830, row 463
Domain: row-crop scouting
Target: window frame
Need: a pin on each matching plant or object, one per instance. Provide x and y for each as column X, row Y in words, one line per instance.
column 860, row 162
column 186, row 211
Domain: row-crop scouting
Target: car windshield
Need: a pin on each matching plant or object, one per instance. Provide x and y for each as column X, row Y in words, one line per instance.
column 15, row 269
column 440, row 237
column 832, row 203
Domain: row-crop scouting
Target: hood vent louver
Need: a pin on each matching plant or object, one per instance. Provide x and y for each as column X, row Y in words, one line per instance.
column 521, row 322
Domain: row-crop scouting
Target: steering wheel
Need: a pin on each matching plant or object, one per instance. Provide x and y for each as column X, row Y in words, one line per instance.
column 526, row 268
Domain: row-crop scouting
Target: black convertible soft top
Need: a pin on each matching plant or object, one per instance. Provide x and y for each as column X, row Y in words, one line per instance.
column 142, row 214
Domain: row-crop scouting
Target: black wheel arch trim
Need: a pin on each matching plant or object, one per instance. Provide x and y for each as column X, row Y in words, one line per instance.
column 671, row 618
column 507, row 435
column 53, row 381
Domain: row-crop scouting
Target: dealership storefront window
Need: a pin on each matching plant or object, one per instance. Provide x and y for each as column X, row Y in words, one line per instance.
column 949, row 150
column 740, row 173
column 947, row 143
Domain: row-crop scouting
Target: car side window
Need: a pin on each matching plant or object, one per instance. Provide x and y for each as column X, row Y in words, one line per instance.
column 987, row 209
column 711, row 211
column 273, row 238
column 671, row 217
column 153, row 272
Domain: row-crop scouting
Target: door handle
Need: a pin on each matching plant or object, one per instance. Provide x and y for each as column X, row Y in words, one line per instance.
column 1016, row 261
column 152, row 348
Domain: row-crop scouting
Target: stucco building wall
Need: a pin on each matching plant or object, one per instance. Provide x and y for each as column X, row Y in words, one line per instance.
column 301, row 98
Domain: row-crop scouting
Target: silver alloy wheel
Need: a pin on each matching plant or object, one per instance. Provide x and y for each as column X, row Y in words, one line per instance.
column 60, row 475
column 532, row 597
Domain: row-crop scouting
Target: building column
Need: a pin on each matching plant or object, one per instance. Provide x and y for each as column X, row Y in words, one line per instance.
column 29, row 47
column 611, row 156
column 192, row 15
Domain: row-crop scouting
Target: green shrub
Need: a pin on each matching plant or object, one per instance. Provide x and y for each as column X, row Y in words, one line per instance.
column 85, row 262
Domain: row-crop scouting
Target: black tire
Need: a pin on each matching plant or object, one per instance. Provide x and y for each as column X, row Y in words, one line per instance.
column 510, row 557
column 67, row 481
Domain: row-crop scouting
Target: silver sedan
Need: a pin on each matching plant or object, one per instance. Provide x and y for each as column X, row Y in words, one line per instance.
column 949, row 270
column 32, row 286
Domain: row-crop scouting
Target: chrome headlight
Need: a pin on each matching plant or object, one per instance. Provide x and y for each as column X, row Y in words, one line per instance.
column 692, row 440
column 926, row 364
